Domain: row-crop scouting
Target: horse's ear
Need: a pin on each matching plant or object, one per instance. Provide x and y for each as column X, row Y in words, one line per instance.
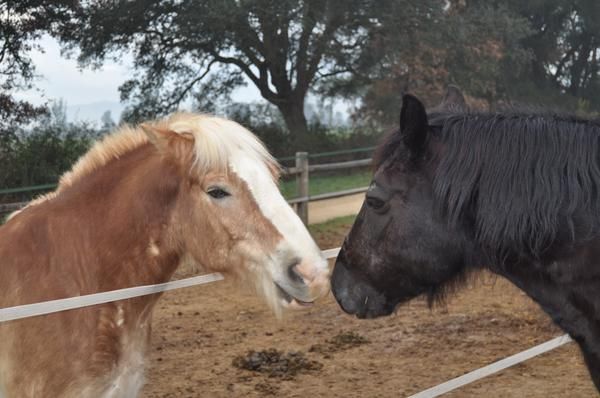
column 453, row 100
column 413, row 124
column 169, row 142
column 157, row 137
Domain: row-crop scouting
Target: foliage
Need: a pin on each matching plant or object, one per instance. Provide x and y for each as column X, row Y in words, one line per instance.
column 486, row 51
column 477, row 47
column 541, row 52
column 319, row 184
column 23, row 22
column 401, row 54
column 281, row 46
column 41, row 153
column 565, row 43
column 266, row 122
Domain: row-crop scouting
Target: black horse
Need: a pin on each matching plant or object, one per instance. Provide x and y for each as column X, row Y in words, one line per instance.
column 455, row 191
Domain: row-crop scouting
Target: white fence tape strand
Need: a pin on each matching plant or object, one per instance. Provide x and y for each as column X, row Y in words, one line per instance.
column 492, row 368
column 331, row 253
column 71, row 303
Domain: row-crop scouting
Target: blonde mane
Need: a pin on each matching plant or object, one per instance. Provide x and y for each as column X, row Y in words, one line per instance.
column 216, row 141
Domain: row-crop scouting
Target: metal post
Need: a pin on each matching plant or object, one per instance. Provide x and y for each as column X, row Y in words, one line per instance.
column 302, row 185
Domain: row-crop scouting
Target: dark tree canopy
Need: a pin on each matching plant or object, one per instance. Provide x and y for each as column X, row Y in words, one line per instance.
column 202, row 49
column 565, row 44
column 477, row 47
column 542, row 52
column 22, row 22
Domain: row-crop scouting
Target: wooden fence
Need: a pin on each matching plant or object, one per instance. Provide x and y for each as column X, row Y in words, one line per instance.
column 302, row 172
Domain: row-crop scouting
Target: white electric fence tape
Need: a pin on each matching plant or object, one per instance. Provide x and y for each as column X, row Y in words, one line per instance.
column 492, row 368
column 71, row 303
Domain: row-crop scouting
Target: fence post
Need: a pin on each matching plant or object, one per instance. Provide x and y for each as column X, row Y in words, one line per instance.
column 302, row 185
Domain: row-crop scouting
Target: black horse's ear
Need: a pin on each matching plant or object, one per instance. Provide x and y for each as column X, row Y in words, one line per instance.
column 413, row 124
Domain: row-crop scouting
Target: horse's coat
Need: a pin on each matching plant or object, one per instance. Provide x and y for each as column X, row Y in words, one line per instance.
column 454, row 191
column 129, row 212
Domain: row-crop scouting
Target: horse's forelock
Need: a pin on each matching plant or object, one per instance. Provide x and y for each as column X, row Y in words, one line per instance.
column 218, row 140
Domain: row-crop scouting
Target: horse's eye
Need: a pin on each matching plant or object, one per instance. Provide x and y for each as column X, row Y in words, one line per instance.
column 218, row 193
column 375, row 203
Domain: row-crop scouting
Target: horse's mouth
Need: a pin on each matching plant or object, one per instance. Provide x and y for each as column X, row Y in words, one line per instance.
column 291, row 300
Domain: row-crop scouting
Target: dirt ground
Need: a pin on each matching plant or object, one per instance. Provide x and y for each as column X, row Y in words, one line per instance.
column 324, row 210
column 219, row 341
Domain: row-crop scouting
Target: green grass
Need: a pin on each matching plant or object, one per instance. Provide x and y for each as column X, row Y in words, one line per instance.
column 331, row 233
column 324, row 184
column 331, row 225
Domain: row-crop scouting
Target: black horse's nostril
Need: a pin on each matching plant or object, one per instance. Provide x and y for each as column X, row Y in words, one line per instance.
column 293, row 272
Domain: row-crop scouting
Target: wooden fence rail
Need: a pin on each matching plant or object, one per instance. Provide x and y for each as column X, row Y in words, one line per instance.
column 302, row 172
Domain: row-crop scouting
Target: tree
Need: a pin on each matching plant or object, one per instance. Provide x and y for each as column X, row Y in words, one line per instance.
column 21, row 23
column 475, row 46
column 562, row 41
column 199, row 49
column 107, row 122
column 485, row 52
column 42, row 151
column 565, row 44
column 395, row 58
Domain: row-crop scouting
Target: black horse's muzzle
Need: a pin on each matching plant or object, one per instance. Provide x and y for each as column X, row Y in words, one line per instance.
column 355, row 296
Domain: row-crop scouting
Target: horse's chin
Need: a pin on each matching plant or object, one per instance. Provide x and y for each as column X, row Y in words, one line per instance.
column 376, row 312
column 291, row 302
column 298, row 305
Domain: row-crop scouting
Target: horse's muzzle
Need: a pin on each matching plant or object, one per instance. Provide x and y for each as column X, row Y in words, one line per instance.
column 304, row 283
column 355, row 296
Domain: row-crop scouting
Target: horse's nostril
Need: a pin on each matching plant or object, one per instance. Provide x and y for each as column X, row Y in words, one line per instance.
column 293, row 273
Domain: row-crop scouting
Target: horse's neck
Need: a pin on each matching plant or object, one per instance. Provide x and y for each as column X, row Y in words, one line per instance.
column 114, row 225
column 567, row 290
column 136, row 217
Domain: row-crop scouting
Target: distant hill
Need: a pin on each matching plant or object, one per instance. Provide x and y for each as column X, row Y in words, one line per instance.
column 93, row 111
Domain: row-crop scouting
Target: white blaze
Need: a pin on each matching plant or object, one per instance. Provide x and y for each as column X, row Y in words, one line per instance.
column 274, row 207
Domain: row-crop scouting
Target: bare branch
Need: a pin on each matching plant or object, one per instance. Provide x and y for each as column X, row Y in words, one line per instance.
column 260, row 81
column 191, row 85
column 335, row 73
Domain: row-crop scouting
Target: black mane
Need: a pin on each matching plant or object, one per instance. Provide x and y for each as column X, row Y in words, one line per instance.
column 519, row 178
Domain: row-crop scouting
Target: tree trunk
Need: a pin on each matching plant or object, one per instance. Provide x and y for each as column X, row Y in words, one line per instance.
column 293, row 115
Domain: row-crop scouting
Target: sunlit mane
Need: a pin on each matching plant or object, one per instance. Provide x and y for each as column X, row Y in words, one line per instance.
column 217, row 140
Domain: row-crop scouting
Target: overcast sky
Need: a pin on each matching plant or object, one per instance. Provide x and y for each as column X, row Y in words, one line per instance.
column 61, row 78
column 87, row 92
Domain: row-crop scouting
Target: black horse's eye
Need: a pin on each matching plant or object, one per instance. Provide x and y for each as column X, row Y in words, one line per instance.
column 218, row 193
column 375, row 203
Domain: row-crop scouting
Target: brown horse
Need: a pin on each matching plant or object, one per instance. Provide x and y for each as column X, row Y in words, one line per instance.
column 131, row 210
